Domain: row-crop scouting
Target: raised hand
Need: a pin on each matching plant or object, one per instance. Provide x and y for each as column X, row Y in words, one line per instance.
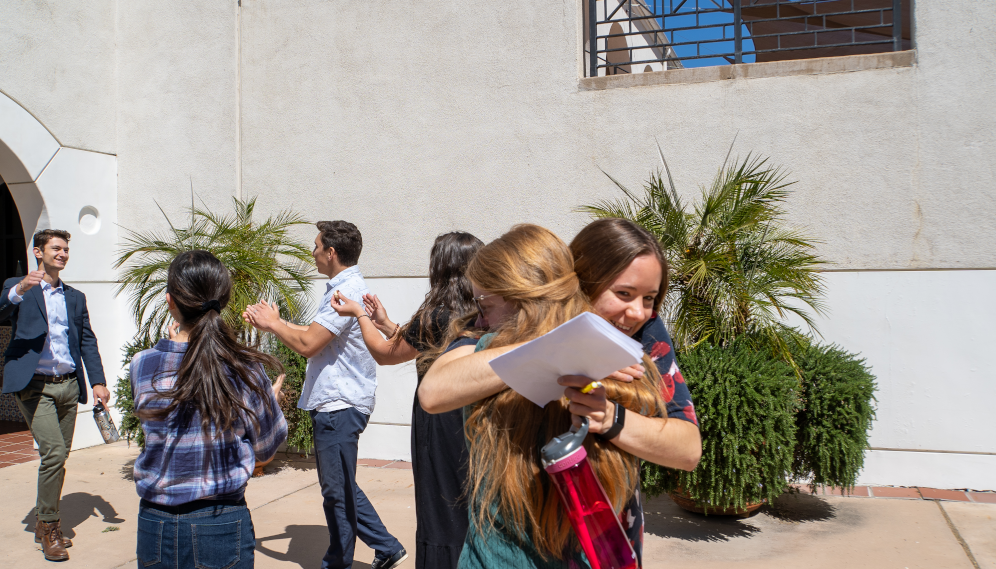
column 33, row 278
column 173, row 330
column 278, row 385
column 344, row 306
column 262, row 315
column 375, row 309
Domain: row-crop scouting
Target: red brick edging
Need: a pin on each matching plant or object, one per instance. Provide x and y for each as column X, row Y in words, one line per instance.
column 913, row 493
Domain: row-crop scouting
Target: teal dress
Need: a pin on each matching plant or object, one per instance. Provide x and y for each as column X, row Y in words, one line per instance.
column 487, row 548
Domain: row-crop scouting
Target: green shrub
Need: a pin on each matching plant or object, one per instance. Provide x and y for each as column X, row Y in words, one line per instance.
column 746, row 402
column 130, row 427
column 837, row 411
column 300, row 433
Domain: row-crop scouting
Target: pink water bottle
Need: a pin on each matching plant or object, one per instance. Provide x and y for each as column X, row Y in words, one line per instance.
column 595, row 523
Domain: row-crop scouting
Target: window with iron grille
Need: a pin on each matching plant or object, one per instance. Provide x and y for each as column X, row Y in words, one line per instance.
column 640, row 36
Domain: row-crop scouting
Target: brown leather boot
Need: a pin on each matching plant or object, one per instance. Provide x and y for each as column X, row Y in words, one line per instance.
column 66, row 542
column 51, row 544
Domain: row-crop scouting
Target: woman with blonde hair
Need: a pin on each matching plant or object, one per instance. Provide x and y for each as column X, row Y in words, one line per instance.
column 525, row 285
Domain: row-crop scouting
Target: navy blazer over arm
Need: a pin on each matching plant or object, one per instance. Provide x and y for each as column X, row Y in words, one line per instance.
column 29, row 322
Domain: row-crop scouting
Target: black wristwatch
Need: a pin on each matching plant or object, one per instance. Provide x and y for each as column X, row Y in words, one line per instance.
column 617, row 424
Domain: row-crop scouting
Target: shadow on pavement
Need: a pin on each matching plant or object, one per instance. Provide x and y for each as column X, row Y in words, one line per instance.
column 796, row 507
column 293, row 461
column 74, row 509
column 128, row 470
column 663, row 518
column 306, row 548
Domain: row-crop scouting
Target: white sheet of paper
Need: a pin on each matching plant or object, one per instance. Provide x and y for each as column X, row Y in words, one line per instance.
column 585, row 345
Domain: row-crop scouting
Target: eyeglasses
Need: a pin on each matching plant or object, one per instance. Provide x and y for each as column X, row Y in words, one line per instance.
column 480, row 309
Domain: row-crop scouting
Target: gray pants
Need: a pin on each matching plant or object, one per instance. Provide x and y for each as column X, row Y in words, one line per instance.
column 50, row 410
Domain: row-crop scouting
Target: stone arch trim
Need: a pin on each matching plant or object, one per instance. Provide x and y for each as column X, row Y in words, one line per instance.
column 26, row 146
column 56, row 186
column 26, row 149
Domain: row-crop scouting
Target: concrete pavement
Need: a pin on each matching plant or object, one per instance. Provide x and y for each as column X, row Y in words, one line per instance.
column 100, row 505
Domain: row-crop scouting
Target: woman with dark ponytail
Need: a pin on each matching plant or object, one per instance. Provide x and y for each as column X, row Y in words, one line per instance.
column 208, row 413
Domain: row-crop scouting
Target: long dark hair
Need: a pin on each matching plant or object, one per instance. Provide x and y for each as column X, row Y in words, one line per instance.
column 605, row 247
column 449, row 290
column 216, row 369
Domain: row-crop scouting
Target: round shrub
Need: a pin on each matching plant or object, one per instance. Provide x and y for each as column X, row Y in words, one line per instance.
column 837, row 411
column 746, row 402
column 300, row 433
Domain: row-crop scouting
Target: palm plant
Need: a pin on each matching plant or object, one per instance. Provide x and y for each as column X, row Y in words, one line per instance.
column 264, row 261
column 736, row 270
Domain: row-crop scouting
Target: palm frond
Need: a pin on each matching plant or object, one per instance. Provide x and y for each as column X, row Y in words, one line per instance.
column 737, row 270
column 263, row 260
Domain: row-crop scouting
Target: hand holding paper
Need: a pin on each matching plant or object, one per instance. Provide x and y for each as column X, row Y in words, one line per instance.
column 585, row 345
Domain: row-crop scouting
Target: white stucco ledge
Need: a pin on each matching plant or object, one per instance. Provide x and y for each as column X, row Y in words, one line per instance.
column 818, row 66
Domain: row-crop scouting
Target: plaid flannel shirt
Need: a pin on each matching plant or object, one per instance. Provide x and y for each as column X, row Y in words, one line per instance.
column 181, row 462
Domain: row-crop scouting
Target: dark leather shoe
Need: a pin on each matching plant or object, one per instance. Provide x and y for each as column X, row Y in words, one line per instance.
column 66, row 542
column 51, row 543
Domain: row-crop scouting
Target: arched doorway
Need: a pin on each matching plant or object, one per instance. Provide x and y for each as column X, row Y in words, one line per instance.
column 13, row 249
column 13, row 263
column 25, row 148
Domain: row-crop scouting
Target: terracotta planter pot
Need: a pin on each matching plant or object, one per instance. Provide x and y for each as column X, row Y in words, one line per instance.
column 258, row 471
column 686, row 502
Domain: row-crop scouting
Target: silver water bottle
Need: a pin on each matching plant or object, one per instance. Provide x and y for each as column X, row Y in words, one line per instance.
column 105, row 423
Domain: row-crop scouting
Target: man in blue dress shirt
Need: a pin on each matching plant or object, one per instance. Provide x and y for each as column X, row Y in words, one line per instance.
column 51, row 340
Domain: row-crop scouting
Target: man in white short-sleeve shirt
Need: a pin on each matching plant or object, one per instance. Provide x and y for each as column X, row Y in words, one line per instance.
column 339, row 392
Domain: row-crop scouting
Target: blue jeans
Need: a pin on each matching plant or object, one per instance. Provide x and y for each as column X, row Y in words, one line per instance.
column 196, row 537
column 348, row 512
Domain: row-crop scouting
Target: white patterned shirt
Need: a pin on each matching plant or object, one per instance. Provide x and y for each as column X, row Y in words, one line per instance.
column 343, row 374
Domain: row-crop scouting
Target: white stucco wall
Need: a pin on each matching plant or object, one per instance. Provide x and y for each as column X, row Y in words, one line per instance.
column 926, row 336
column 177, row 108
column 413, row 119
column 58, row 60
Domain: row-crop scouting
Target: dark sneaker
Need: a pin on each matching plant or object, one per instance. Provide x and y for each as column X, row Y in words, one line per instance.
column 391, row 562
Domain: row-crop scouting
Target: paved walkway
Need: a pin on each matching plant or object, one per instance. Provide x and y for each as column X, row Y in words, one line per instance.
column 800, row 530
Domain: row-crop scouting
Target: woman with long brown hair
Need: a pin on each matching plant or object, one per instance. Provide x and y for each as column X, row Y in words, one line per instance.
column 439, row 456
column 208, row 413
column 525, row 284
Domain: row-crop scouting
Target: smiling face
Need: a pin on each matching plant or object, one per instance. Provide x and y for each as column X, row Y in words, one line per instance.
column 494, row 309
column 55, row 253
column 628, row 302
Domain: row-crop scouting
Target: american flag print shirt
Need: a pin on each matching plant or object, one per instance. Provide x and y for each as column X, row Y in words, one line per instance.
column 657, row 344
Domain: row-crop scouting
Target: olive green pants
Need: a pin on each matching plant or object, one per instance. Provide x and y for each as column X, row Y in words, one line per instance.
column 50, row 410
